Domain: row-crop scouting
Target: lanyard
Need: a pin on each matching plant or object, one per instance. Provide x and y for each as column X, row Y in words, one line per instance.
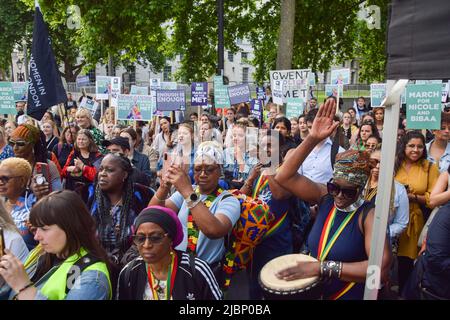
column 170, row 278
column 324, row 247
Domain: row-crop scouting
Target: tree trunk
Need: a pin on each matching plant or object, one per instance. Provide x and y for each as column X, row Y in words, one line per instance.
column 285, row 49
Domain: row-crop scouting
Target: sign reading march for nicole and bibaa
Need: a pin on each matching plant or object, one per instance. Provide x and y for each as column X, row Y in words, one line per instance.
column 221, row 99
column 239, row 93
column 294, row 107
column 423, row 106
column 7, row 102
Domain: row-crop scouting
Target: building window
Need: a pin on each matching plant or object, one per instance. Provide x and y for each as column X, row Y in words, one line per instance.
column 353, row 64
column 167, row 75
column 91, row 75
column 230, row 56
column 132, row 71
column 244, row 75
column 244, row 56
column 113, row 73
column 353, row 77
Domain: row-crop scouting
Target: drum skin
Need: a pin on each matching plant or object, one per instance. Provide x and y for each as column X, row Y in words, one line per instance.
column 277, row 289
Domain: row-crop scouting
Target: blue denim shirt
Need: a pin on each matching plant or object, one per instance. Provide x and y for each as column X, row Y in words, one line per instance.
column 444, row 162
column 90, row 285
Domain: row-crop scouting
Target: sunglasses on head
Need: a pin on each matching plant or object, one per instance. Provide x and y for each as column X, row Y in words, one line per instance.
column 140, row 239
column 335, row 189
column 13, row 143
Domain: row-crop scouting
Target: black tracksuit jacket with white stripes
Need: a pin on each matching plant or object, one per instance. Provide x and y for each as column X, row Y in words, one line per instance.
column 194, row 280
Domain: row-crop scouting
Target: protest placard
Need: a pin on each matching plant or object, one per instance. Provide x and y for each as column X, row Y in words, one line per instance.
column 89, row 104
column 277, row 92
column 333, row 89
column 115, row 90
column 423, row 106
column 239, row 93
column 294, row 107
column 20, row 90
column 256, row 109
column 142, row 91
column 134, row 107
column 340, row 76
column 294, row 83
column 7, row 102
column 377, row 94
column 260, row 93
column 199, row 94
column 168, row 85
column 155, row 84
column 312, row 79
column 83, row 81
column 170, row 100
column 221, row 99
column 102, row 87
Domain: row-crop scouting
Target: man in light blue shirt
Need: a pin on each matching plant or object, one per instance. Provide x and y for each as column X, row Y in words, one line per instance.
column 317, row 165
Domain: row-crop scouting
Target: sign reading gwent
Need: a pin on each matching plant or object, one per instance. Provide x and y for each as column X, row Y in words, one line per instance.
column 423, row 106
column 170, row 100
column 239, row 93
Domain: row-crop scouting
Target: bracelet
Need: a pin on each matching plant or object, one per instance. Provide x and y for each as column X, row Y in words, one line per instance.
column 330, row 269
column 160, row 200
column 30, row 284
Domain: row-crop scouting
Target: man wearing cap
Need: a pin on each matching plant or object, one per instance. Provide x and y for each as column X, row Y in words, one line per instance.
column 122, row 146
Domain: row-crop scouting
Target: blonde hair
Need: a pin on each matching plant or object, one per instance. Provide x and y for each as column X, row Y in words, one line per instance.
column 84, row 112
column 19, row 165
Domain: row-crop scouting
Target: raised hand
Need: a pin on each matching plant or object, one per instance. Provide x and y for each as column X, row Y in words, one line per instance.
column 324, row 125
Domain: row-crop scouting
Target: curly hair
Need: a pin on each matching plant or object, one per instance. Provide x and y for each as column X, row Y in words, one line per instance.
column 18, row 166
column 401, row 155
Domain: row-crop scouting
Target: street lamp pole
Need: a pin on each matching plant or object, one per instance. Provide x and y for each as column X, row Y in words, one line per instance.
column 220, row 45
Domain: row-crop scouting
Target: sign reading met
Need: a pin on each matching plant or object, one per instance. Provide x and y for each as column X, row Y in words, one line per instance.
column 295, row 82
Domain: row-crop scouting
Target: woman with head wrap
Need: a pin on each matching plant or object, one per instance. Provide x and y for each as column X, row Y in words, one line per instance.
column 340, row 238
column 27, row 144
column 206, row 211
column 161, row 272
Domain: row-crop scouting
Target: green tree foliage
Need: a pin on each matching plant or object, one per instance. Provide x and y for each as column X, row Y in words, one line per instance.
column 15, row 20
column 149, row 32
column 370, row 46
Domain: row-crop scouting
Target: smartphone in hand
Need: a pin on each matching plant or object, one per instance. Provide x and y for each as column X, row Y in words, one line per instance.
column 42, row 174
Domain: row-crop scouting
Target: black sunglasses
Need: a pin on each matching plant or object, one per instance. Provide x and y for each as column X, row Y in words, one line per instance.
column 140, row 239
column 13, row 143
column 5, row 179
column 335, row 189
column 207, row 171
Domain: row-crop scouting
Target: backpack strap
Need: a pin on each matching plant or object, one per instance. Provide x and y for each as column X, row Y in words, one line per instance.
column 79, row 266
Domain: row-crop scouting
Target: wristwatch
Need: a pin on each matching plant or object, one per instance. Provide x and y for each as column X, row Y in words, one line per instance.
column 192, row 200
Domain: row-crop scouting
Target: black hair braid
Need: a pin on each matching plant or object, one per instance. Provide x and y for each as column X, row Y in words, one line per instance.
column 104, row 204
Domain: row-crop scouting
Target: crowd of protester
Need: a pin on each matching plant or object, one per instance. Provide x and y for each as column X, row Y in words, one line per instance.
column 147, row 204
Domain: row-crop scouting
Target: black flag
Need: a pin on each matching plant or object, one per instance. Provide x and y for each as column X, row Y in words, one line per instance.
column 45, row 88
